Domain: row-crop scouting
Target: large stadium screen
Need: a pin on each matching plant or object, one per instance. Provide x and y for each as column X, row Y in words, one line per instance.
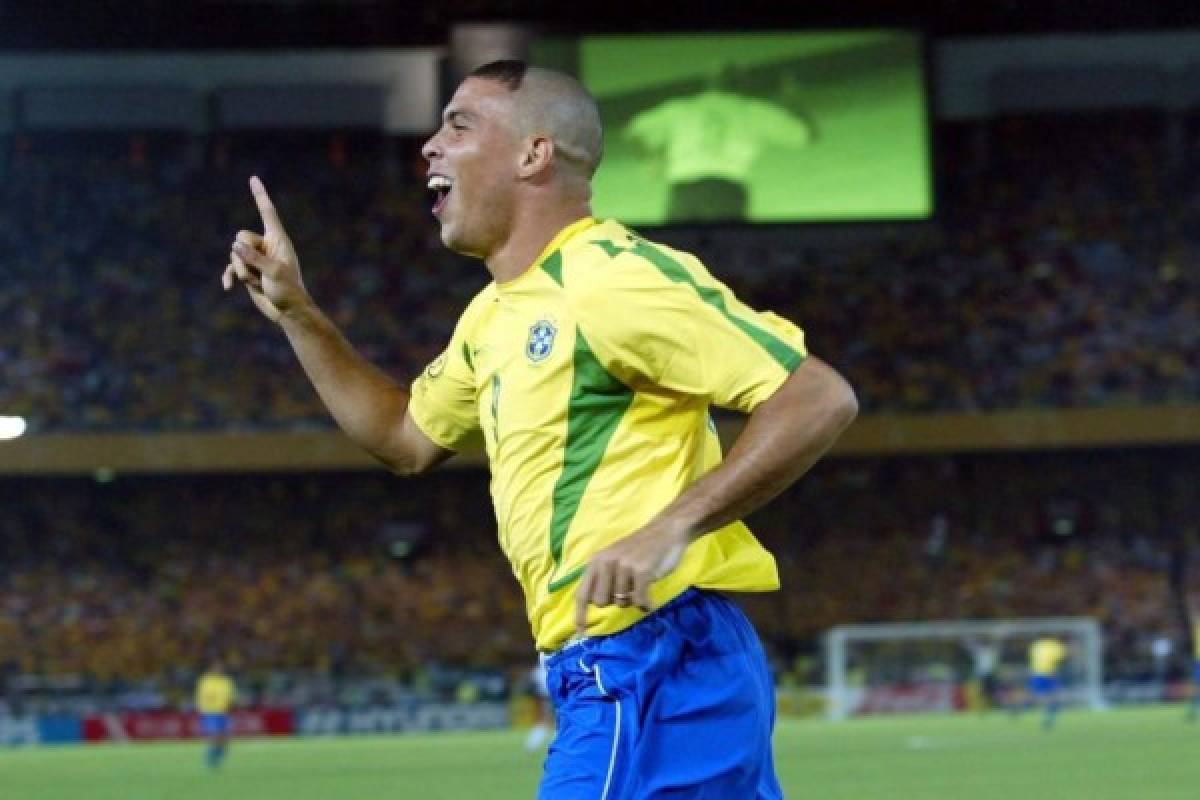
column 758, row 127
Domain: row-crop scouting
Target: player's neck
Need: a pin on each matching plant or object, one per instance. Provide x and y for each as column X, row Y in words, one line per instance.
column 533, row 228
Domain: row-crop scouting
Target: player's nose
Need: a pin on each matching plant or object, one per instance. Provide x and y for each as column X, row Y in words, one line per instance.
column 432, row 148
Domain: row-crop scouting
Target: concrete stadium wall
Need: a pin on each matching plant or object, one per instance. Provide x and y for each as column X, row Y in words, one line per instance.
column 402, row 85
column 398, row 90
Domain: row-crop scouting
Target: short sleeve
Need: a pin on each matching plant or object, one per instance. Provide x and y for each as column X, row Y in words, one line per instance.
column 649, row 128
column 780, row 127
column 443, row 401
column 656, row 317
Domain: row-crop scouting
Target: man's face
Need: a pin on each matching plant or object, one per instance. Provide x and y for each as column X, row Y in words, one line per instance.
column 473, row 161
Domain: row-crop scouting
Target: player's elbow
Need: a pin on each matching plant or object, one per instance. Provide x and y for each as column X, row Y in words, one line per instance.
column 408, row 452
column 831, row 399
column 405, row 464
column 843, row 404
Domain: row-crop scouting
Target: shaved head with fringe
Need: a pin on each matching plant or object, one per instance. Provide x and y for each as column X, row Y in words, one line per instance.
column 556, row 105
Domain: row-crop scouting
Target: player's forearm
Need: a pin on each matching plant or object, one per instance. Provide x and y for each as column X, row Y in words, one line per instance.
column 782, row 440
column 366, row 404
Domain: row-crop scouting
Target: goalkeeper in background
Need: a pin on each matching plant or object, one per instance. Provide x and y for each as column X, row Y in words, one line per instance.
column 215, row 693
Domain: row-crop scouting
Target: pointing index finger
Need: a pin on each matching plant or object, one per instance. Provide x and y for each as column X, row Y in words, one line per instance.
column 266, row 209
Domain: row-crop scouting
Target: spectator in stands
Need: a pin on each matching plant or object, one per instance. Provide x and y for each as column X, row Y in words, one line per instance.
column 1046, row 283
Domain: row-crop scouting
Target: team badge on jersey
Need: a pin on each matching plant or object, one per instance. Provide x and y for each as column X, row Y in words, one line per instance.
column 541, row 341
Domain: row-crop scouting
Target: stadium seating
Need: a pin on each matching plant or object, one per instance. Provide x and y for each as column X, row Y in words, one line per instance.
column 299, row 574
column 1031, row 291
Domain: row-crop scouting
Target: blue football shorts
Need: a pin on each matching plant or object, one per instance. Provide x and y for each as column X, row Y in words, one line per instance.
column 1196, row 671
column 214, row 724
column 680, row 705
column 1041, row 685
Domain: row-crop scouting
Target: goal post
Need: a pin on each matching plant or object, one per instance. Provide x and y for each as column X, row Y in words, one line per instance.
column 942, row 650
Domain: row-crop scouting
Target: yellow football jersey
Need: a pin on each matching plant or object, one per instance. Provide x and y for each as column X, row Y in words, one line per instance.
column 590, row 378
column 1045, row 655
column 214, row 693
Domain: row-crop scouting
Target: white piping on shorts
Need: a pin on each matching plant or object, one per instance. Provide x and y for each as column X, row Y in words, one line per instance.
column 612, row 758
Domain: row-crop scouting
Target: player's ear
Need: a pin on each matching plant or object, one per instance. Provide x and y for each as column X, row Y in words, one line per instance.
column 537, row 156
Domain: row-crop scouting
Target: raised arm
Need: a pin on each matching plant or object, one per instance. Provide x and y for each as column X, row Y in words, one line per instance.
column 368, row 405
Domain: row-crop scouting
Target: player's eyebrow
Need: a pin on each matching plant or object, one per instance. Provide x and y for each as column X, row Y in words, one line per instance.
column 456, row 114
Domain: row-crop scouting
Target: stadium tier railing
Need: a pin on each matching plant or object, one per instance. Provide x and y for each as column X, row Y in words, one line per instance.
column 875, row 434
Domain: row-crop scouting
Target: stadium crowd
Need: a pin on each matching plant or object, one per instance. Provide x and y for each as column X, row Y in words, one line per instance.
column 1063, row 271
column 354, row 576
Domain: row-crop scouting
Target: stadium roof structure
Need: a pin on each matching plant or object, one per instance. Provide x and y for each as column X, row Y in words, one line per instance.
column 265, row 24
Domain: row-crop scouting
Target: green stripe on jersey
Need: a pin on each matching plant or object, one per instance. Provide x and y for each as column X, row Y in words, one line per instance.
column 553, row 266
column 612, row 248
column 568, row 579
column 496, row 408
column 598, row 402
column 787, row 356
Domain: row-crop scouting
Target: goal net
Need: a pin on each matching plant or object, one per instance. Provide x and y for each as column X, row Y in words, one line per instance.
column 955, row 665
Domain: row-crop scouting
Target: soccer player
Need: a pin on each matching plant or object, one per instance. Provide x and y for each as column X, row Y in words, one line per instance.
column 215, row 692
column 543, row 722
column 589, row 365
column 984, row 655
column 1045, row 656
column 1194, row 706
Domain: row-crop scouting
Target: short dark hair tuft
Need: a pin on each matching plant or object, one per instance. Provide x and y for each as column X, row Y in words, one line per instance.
column 508, row 71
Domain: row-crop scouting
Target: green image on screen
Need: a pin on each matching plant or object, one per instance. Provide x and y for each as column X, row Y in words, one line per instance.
column 779, row 127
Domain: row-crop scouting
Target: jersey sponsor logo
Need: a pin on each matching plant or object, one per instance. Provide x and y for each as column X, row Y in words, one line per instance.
column 541, row 341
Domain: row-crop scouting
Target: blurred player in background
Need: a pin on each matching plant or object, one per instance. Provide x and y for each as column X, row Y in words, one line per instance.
column 215, row 694
column 1194, row 706
column 1045, row 659
column 543, row 721
column 588, row 367
column 985, row 653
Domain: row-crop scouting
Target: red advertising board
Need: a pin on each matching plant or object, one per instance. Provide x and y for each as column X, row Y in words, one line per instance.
column 147, row 725
column 906, row 698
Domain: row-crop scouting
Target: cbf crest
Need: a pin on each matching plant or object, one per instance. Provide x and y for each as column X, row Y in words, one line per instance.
column 541, row 341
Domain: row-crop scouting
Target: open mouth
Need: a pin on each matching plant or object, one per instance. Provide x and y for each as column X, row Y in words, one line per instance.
column 440, row 185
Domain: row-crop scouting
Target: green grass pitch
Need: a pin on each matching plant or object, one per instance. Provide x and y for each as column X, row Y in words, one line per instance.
column 1148, row 754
